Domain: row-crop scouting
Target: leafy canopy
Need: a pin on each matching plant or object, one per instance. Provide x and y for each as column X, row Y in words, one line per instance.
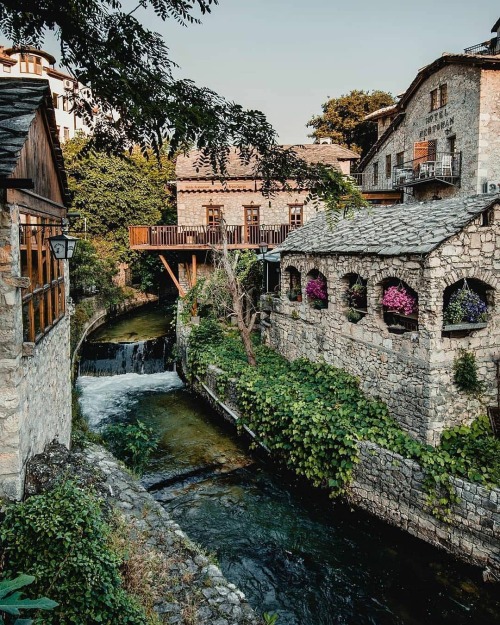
column 342, row 119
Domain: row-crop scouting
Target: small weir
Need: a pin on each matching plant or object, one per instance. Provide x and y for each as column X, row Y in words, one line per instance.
column 291, row 550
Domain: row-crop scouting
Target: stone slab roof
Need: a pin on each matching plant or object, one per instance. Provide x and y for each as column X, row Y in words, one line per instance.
column 389, row 230
column 328, row 154
column 20, row 99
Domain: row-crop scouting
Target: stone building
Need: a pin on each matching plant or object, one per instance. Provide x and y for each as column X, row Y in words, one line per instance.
column 433, row 252
column 442, row 138
column 34, row 63
column 202, row 200
column 35, row 388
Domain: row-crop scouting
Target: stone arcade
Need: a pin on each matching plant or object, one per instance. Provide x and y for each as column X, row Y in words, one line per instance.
column 35, row 388
column 406, row 360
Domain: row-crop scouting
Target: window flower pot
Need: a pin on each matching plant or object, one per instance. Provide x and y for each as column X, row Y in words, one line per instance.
column 460, row 327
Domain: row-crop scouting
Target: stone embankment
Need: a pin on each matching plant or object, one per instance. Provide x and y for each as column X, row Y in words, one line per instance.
column 392, row 488
column 198, row 586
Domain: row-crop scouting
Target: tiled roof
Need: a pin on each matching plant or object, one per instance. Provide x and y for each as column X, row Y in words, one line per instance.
column 389, row 230
column 386, row 110
column 328, row 154
column 20, row 98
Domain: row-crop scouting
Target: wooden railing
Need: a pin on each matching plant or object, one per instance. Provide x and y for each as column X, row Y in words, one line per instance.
column 191, row 237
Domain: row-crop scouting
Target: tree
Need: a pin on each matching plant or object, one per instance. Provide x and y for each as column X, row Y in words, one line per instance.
column 130, row 73
column 342, row 119
column 114, row 192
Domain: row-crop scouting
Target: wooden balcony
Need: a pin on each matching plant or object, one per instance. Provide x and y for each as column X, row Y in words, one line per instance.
column 205, row 237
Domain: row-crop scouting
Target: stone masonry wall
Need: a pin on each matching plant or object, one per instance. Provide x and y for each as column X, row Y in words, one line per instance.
column 489, row 128
column 35, row 397
column 411, row 372
column 460, row 118
column 191, row 205
column 391, row 487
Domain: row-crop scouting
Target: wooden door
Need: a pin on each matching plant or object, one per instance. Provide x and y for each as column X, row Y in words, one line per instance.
column 252, row 224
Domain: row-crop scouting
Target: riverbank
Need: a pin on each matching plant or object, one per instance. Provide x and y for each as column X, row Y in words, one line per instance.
column 385, row 483
column 180, row 582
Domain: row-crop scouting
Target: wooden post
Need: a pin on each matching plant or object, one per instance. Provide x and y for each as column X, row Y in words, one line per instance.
column 194, row 310
column 182, row 292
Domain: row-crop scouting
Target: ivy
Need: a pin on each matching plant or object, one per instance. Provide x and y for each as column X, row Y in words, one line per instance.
column 465, row 373
column 313, row 416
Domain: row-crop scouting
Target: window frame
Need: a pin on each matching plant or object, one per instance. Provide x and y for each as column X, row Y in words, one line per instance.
column 375, row 173
column 388, row 165
column 213, row 215
column 292, row 215
column 434, row 100
column 44, row 301
column 443, row 94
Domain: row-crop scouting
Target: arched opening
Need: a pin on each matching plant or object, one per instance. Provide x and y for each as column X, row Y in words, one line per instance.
column 317, row 289
column 467, row 305
column 355, row 297
column 399, row 306
column 293, row 284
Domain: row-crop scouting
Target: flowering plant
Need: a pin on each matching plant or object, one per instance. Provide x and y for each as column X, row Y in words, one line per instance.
column 398, row 299
column 356, row 295
column 316, row 289
column 465, row 306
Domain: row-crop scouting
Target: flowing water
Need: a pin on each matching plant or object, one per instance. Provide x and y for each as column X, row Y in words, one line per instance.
column 291, row 551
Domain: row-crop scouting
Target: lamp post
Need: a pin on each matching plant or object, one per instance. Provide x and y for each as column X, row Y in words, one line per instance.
column 263, row 248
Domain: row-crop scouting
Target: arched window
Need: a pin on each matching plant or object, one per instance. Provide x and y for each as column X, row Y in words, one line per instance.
column 317, row 289
column 399, row 306
column 467, row 305
column 355, row 297
column 293, row 284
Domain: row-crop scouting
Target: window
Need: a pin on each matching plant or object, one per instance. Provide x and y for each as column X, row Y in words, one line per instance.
column 443, row 95
column 296, row 215
column 66, row 134
column 30, row 64
column 44, row 299
column 388, row 166
column 65, row 104
column 434, row 100
column 375, row 173
column 213, row 215
column 400, row 159
column 452, row 144
column 54, row 99
column 7, row 69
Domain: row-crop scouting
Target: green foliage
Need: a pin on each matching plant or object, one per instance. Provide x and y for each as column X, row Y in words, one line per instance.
column 114, row 192
column 12, row 601
column 270, row 618
column 132, row 443
column 91, row 273
column 312, row 416
column 194, row 295
column 341, row 197
column 465, row 373
column 83, row 313
column 342, row 119
column 63, row 540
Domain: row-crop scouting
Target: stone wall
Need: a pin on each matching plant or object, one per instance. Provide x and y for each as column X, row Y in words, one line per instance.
column 411, row 372
column 194, row 197
column 391, row 487
column 35, row 397
column 489, row 129
column 470, row 96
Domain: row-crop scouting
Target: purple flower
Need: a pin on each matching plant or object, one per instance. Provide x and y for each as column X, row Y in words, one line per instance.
column 316, row 289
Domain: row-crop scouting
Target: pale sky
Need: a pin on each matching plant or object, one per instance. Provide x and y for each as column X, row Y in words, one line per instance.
column 286, row 57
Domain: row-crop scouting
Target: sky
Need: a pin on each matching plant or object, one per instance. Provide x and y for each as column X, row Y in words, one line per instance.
column 287, row 57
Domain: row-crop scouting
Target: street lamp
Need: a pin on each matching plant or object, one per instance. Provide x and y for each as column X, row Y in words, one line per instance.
column 63, row 245
column 263, row 248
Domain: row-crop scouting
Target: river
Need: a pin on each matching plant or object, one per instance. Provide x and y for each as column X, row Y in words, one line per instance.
column 291, row 550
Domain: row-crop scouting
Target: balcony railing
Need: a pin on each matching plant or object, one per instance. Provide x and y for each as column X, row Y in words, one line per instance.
column 442, row 166
column 491, row 47
column 367, row 182
column 192, row 237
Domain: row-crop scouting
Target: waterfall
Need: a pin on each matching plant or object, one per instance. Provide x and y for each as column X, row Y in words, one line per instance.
column 143, row 357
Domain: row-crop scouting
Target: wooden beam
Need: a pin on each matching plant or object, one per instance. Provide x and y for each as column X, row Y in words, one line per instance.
column 193, row 276
column 16, row 183
column 182, row 292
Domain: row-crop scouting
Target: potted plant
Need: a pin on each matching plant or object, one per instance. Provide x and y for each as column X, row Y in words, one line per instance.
column 295, row 295
column 356, row 295
column 353, row 315
column 465, row 308
column 396, row 299
column 316, row 292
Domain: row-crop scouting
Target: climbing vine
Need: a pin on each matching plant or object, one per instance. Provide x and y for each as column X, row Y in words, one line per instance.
column 313, row 415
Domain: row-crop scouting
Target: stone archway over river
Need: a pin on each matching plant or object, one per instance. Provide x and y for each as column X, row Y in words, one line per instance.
column 290, row 551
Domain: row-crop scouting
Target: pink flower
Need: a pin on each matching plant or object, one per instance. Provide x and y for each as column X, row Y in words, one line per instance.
column 398, row 299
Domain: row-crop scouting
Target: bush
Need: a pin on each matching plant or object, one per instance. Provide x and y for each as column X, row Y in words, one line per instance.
column 63, row 539
column 133, row 443
column 465, row 373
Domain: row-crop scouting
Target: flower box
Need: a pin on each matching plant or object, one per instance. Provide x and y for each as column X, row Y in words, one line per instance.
column 460, row 327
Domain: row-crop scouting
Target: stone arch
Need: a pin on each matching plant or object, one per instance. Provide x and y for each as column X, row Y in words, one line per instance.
column 475, row 311
column 319, row 301
column 354, row 296
column 398, row 274
column 477, row 273
column 293, row 282
column 397, row 319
